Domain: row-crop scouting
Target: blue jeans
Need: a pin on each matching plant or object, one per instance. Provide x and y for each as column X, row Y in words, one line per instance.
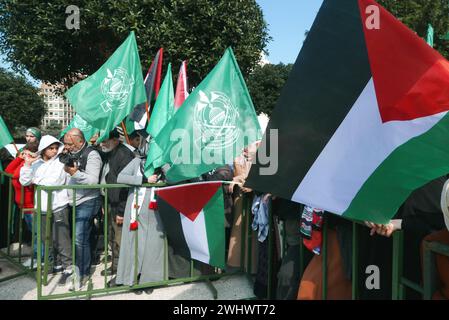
column 28, row 217
column 84, row 217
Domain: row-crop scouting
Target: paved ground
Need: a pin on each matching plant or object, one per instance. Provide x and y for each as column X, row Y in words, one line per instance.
column 24, row 287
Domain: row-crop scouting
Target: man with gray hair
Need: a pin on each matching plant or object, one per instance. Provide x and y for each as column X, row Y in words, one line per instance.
column 83, row 163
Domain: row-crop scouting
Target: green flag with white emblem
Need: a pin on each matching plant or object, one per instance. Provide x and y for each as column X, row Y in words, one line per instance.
column 163, row 110
column 214, row 125
column 105, row 98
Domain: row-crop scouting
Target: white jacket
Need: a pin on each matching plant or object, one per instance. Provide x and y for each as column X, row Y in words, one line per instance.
column 49, row 173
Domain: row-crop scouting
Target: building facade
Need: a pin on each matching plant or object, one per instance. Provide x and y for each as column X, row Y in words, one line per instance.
column 59, row 112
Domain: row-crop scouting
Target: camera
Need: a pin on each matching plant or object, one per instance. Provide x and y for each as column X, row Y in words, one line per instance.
column 69, row 160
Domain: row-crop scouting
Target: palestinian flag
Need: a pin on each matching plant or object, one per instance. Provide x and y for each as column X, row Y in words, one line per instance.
column 362, row 120
column 193, row 217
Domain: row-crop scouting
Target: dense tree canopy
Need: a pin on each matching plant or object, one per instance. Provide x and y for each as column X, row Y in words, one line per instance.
column 265, row 84
column 34, row 34
column 418, row 14
column 20, row 104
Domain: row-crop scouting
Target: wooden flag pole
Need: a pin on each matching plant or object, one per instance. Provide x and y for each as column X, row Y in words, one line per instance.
column 125, row 132
column 147, row 110
column 17, row 149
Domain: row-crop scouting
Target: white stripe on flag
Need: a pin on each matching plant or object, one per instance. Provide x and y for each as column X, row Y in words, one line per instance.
column 196, row 237
column 358, row 147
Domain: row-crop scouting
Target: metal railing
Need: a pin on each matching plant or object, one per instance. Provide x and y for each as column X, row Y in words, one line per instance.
column 399, row 282
column 42, row 273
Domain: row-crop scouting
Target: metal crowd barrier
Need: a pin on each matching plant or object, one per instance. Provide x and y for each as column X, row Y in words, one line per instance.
column 42, row 273
column 6, row 180
column 399, row 282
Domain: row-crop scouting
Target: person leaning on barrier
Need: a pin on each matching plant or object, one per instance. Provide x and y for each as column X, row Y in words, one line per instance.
column 117, row 158
column 47, row 170
column 83, row 164
column 441, row 261
column 242, row 166
column 419, row 216
column 150, row 232
column 25, row 200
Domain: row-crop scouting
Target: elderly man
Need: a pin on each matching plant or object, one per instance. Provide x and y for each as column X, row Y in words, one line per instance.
column 83, row 163
column 117, row 158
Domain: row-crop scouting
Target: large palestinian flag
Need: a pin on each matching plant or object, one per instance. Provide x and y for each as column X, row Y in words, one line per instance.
column 193, row 217
column 363, row 118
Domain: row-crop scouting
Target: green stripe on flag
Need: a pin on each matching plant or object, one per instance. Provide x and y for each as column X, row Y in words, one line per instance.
column 409, row 167
column 5, row 136
column 215, row 226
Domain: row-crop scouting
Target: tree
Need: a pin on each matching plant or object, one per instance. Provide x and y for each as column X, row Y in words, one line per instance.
column 34, row 37
column 265, row 84
column 418, row 14
column 20, row 104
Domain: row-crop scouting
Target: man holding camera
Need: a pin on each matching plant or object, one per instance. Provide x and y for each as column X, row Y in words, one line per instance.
column 83, row 163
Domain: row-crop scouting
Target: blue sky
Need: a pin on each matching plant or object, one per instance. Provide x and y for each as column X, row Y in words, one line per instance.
column 287, row 21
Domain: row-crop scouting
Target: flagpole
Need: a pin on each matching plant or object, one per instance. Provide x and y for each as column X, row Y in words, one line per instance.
column 17, row 149
column 147, row 109
column 125, row 132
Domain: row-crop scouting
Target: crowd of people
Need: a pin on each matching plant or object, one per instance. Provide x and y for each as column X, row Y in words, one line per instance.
column 71, row 160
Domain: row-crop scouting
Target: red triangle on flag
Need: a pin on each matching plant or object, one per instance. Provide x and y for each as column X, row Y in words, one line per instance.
column 189, row 199
column 410, row 78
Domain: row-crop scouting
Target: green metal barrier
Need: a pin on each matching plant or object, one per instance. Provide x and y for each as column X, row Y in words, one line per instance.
column 399, row 283
column 42, row 273
column 17, row 260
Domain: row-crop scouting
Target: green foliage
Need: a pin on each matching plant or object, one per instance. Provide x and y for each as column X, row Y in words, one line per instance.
column 417, row 14
column 35, row 37
column 265, row 84
column 20, row 104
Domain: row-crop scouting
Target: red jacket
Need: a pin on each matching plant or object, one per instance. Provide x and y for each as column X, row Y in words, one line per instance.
column 28, row 198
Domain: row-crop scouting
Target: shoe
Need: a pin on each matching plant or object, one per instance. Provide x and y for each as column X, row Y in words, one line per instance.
column 66, row 276
column 27, row 263
column 84, row 281
column 111, row 283
column 58, row 268
column 110, row 272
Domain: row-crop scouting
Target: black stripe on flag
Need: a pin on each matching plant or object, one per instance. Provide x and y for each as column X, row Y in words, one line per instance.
column 329, row 74
column 171, row 220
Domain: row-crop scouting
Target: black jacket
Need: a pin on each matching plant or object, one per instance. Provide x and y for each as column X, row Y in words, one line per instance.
column 118, row 159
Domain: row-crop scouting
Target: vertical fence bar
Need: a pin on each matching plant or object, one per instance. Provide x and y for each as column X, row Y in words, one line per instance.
column 34, row 235
column 136, row 237
column 428, row 272
column 165, row 257
column 301, row 258
column 21, row 222
column 270, row 250
column 243, row 243
column 39, row 246
column 8, row 236
column 355, row 261
column 249, row 237
column 75, row 276
column 48, row 232
column 105, row 232
column 324, row 261
column 397, row 288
